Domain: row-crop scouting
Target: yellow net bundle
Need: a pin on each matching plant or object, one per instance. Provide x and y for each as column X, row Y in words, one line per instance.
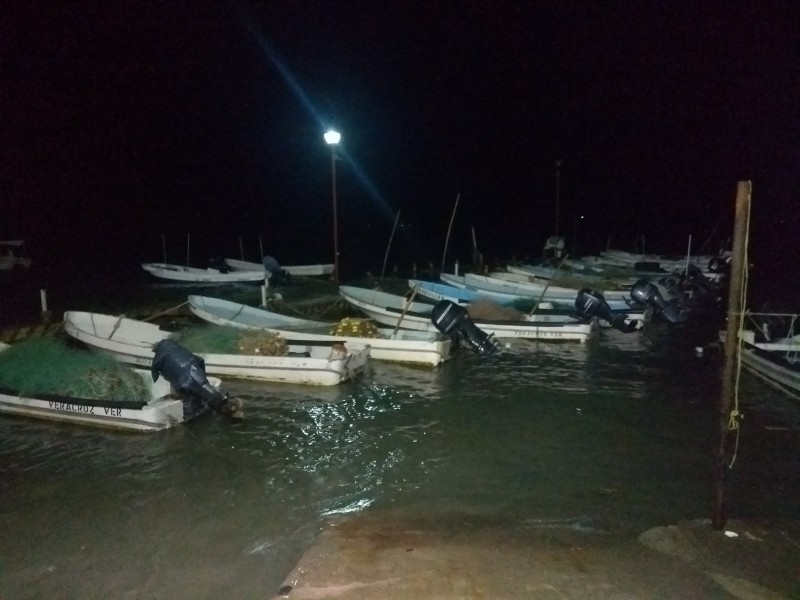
column 353, row 327
column 263, row 343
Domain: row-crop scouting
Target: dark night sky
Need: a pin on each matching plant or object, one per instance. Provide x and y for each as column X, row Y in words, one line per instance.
column 125, row 120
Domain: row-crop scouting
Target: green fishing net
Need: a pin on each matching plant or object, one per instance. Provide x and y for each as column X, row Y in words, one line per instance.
column 48, row 366
column 218, row 339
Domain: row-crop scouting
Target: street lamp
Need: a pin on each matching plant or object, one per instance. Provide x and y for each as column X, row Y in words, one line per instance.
column 332, row 139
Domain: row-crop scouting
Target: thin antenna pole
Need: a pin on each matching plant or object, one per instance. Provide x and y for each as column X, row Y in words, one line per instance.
column 241, row 247
column 688, row 253
column 386, row 256
column 164, row 246
column 447, row 239
column 187, row 249
column 261, row 249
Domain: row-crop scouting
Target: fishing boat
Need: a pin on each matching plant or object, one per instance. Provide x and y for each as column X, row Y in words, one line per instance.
column 400, row 345
column 484, row 283
column 465, row 296
column 772, row 358
column 132, row 341
column 210, row 276
column 165, row 404
column 398, row 311
column 293, row 270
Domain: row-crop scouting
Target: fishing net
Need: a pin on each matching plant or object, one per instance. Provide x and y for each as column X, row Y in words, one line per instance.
column 217, row 339
column 48, row 366
column 487, row 310
column 353, row 327
column 581, row 282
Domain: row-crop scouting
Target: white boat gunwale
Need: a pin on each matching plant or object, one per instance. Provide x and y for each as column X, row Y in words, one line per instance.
column 320, row 368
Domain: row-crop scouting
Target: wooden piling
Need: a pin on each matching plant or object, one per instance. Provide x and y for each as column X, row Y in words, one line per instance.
column 735, row 308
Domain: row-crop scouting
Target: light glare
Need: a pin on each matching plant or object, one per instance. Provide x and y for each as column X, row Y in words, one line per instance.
column 332, row 137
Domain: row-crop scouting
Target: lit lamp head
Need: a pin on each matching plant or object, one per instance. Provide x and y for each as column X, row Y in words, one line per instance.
column 332, row 137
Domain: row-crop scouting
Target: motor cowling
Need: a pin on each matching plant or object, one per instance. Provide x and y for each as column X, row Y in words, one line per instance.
column 696, row 276
column 590, row 303
column 454, row 321
column 717, row 264
column 186, row 372
column 647, row 294
column 274, row 272
column 218, row 263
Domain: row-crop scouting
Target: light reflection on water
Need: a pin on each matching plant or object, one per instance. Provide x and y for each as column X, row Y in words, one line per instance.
column 618, row 433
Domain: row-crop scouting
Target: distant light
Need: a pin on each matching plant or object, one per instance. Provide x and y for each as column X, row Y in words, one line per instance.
column 332, row 137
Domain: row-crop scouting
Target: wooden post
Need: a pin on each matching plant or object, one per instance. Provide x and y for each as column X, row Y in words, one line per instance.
column 738, row 264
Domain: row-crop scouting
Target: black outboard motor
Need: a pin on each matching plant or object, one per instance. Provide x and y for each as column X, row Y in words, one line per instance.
column 718, row 265
column 187, row 374
column 218, row 263
column 647, row 294
column 274, row 272
column 672, row 287
column 590, row 303
column 696, row 276
column 453, row 320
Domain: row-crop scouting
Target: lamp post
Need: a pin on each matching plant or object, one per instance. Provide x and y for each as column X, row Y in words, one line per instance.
column 332, row 139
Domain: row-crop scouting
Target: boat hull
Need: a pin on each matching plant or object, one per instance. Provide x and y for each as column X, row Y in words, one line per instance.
column 395, row 347
column 163, row 411
column 131, row 342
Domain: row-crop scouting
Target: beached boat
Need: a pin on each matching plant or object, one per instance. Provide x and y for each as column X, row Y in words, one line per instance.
column 293, row 270
column 401, row 345
column 215, row 276
column 164, row 407
column 131, row 341
column 397, row 311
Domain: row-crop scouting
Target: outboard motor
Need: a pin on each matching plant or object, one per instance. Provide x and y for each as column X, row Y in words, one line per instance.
column 187, row 374
column 218, row 263
column 590, row 303
column 274, row 272
column 453, row 320
column 647, row 294
column 718, row 264
column 696, row 276
column 671, row 287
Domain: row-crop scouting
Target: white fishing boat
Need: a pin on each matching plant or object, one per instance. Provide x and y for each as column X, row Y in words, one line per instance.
column 398, row 311
column 483, row 283
column 546, row 274
column 131, row 341
column 401, row 345
column 776, row 361
column 215, row 276
column 165, row 407
column 465, row 296
column 294, row 270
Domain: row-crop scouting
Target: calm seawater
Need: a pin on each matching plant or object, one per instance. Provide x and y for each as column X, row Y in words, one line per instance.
column 615, row 435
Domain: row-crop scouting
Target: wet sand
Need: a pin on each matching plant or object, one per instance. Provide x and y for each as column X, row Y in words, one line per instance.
column 373, row 557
